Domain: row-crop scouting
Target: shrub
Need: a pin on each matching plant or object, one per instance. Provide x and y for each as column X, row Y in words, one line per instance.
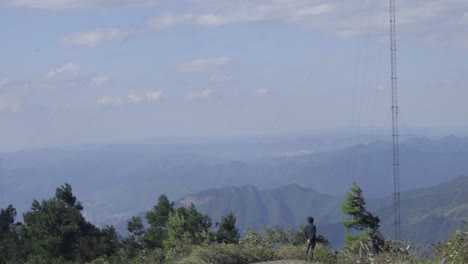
column 324, row 254
column 454, row 249
column 218, row 253
column 291, row 252
column 259, row 253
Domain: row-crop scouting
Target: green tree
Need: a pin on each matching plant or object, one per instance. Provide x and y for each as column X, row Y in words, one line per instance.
column 252, row 238
column 276, row 236
column 157, row 219
column 137, row 229
column 361, row 220
column 7, row 221
column 10, row 244
column 227, row 230
column 187, row 226
column 196, row 222
column 56, row 230
column 160, row 214
column 176, row 231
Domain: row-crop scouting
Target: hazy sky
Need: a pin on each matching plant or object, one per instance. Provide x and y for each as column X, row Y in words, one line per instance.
column 89, row 70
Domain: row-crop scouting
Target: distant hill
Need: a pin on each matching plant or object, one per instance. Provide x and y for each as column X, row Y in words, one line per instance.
column 423, row 163
column 428, row 214
column 120, row 180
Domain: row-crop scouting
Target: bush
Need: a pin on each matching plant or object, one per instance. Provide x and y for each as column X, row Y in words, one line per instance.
column 259, row 253
column 324, row 254
column 454, row 249
column 217, row 253
column 291, row 252
column 123, row 257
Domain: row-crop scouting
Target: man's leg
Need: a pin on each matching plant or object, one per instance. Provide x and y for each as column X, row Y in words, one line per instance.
column 312, row 247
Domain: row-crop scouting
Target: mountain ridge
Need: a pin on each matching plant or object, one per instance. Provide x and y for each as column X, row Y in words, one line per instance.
column 291, row 204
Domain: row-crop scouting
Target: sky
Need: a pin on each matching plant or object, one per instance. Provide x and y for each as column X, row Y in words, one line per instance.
column 74, row 71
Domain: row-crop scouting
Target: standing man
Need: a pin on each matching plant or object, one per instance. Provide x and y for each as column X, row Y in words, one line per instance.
column 310, row 235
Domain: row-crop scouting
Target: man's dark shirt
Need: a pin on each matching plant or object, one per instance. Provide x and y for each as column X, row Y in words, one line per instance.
column 309, row 232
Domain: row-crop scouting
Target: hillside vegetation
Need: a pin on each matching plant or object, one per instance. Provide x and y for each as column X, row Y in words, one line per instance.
column 55, row 231
column 436, row 208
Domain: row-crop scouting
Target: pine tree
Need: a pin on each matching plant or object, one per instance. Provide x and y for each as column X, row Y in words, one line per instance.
column 157, row 219
column 186, row 226
column 10, row 244
column 137, row 229
column 227, row 230
column 160, row 214
column 362, row 220
column 55, row 229
column 176, row 231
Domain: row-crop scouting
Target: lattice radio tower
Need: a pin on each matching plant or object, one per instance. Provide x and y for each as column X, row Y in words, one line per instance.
column 396, row 155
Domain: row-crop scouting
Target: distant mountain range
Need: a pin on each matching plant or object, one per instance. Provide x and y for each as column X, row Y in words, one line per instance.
column 428, row 214
column 120, row 180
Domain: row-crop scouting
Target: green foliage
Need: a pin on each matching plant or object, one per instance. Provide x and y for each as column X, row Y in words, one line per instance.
column 196, row 222
column 161, row 211
column 362, row 220
column 10, row 244
column 123, row 256
column 252, row 237
column 273, row 236
column 260, row 253
column 187, row 226
column 324, row 254
column 291, row 252
column 55, row 230
column 276, row 236
column 137, row 230
column 135, row 226
column 355, row 206
column 234, row 254
column 227, row 230
column 454, row 249
column 217, row 253
column 157, row 219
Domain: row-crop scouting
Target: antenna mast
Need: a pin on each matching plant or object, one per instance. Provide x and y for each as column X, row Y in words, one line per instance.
column 396, row 155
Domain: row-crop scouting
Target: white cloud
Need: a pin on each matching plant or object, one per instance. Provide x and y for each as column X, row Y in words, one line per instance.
column 430, row 21
column 220, row 78
column 98, row 37
column 67, row 69
column 135, row 98
column 110, row 100
column 55, row 5
column 200, row 95
column 154, row 96
column 203, row 64
column 4, row 82
column 217, row 13
column 314, row 10
column 132, row 98
column 69, row 5
column 168, row 20
column 380, row 87
column 261, row 91
column 99, row 80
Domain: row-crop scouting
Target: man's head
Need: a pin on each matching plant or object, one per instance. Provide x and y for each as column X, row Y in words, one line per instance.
column 310, row 219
